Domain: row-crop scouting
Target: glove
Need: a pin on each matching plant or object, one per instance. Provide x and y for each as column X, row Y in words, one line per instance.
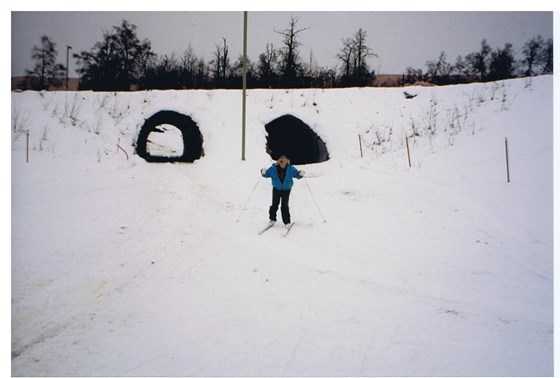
column 302, row 173
column 263, row 171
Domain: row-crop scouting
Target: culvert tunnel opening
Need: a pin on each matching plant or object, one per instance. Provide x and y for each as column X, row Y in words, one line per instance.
column 165, row 141
column 290, row 136
column 160, row 135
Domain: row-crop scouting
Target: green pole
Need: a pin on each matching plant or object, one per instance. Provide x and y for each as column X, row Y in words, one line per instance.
column 244, row 83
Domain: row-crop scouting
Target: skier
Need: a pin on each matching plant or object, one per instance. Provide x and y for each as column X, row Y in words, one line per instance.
column 282, row 174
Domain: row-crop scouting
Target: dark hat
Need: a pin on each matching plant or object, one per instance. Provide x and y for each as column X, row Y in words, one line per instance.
column 283, row 158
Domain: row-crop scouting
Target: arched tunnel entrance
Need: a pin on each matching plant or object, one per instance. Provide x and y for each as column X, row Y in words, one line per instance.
column 187, row 135
column 290, row 136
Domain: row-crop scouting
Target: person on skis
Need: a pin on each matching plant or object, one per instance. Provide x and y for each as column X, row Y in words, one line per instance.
column 282, row 175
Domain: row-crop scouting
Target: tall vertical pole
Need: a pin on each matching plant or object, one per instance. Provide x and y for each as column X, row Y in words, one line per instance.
column 67, row 63
column 244, row 83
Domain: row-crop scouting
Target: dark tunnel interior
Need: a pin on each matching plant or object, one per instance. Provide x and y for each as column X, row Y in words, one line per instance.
column 290, row 136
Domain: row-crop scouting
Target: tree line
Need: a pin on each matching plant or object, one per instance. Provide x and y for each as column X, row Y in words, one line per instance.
column 122, row 62
column 487, row 64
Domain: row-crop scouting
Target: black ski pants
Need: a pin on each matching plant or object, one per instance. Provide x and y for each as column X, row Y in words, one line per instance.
column 277, row 197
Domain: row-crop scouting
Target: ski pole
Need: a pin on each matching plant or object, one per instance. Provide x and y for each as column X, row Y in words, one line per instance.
column 248, row 199
column 314, row 200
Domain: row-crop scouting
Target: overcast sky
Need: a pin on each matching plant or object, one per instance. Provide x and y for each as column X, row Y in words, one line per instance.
column 400, row 39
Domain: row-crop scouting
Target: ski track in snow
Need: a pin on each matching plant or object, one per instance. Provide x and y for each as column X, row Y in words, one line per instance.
column 122, row 267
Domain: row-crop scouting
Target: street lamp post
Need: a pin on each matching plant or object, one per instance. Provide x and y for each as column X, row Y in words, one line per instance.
column 244, row 85
column 68, row 48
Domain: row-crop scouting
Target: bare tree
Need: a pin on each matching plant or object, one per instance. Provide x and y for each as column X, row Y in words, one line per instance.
column 267, row 66
column 546, row 57
column 439, row 70
column 290, row 65
column 412, row 75
column 220, row 65
column 46, row 72
column 531, row 51
column 478, row 62
column 460, row 66
column 361, row 53
column 202, row 76
column 188, row 67
column 345, row 57
column 161, row 73
column 353, row 56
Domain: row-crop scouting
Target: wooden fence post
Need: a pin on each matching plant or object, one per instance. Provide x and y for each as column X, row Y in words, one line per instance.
column 360, row 140
column 27, row 147
column 408, row 153
column 507, row 161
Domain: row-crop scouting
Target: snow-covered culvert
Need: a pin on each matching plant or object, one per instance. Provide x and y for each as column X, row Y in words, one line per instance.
column 169, row 136
column 290, row 136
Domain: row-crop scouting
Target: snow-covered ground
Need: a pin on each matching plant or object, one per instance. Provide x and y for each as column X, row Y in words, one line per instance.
column 123, row 267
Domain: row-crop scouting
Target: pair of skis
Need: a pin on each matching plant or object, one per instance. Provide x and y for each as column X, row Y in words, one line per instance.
column 269, row 226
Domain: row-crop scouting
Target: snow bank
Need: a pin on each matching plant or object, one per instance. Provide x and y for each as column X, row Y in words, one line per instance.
column 123, row 267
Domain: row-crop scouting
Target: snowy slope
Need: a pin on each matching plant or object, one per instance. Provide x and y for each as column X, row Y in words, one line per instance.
column 123, row 267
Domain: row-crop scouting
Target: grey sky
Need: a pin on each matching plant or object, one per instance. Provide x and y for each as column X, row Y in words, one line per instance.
column 400, row 39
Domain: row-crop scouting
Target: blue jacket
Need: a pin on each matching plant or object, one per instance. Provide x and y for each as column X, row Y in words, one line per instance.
column 291, row 172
